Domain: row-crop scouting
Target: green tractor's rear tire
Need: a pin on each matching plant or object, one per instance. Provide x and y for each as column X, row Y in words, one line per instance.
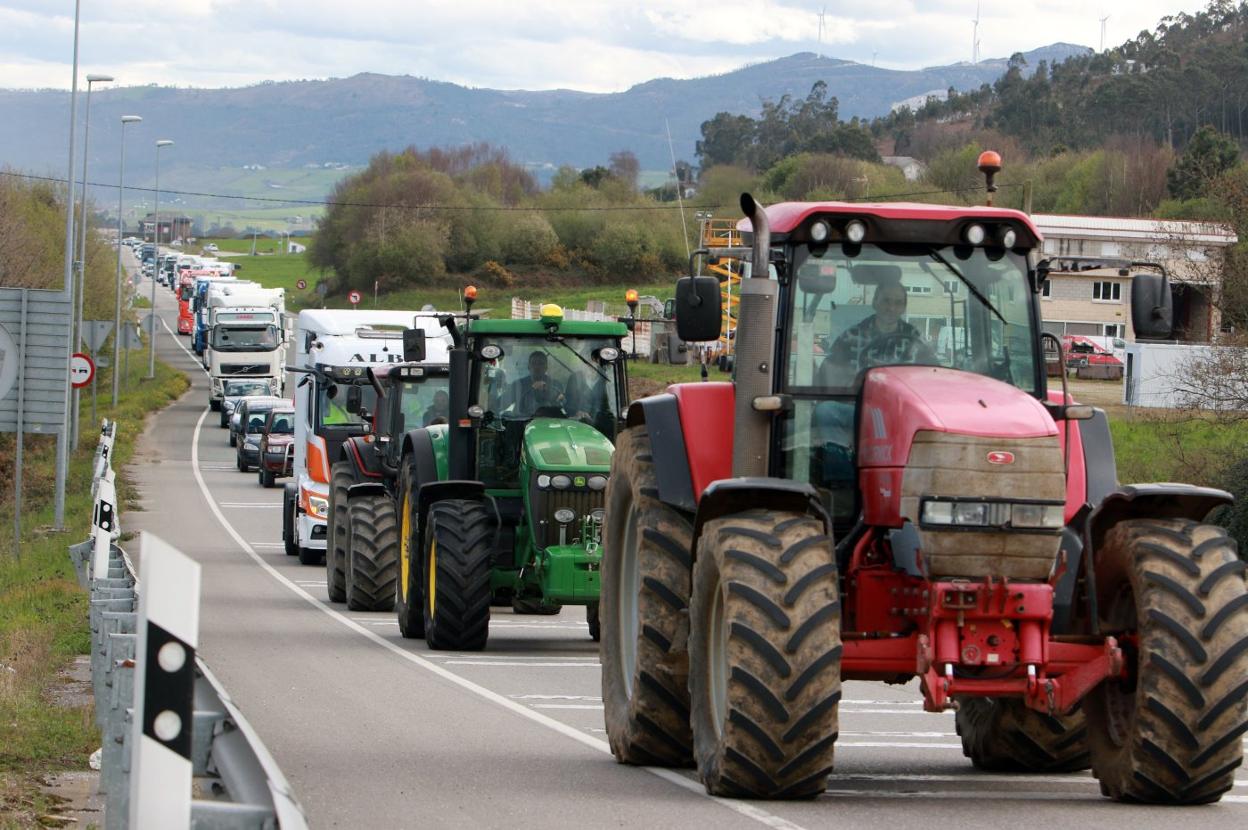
column 372, row 553
column 764, row 655
column 533, row 607
column 591, row 617
column 457, row 565
column 341, row 477
column 408, row 598
column 1004, row 735
column 643, row 611
column 1171, row 732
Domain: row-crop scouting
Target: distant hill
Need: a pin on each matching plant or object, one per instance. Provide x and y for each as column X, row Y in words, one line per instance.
column 291, row 125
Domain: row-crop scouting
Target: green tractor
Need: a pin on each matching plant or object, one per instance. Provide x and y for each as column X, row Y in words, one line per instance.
column 503, row 505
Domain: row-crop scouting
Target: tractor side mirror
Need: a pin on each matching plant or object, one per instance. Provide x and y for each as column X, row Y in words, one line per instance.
column 698, row 316
column 1152, row 306
column 413, row 345
column 355, row 397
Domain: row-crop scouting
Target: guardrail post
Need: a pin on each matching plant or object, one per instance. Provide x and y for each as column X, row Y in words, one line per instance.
column 164, row 684
column 103, row 522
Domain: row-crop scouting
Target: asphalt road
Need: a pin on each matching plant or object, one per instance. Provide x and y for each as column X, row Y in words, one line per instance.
column 376, row 731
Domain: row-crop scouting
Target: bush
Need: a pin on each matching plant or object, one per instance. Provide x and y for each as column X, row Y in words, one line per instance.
column 1235, row 517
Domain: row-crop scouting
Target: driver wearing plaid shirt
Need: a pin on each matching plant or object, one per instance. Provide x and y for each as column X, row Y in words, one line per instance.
column 880, row 340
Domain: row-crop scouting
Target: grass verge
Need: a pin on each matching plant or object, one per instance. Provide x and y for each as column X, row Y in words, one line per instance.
column 43, row 612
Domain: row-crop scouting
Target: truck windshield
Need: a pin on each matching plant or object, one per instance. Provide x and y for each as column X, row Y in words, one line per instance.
column 244, row 338
column 245, row 388
column 855, row 308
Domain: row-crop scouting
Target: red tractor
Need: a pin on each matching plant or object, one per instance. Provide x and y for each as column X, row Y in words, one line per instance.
column 889, row 490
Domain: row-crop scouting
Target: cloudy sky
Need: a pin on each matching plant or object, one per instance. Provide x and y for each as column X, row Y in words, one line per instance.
column 592, row 45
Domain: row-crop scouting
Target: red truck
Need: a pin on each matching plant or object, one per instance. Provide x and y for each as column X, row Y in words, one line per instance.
column 186, row 290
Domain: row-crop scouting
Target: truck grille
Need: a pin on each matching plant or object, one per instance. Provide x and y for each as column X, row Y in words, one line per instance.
column 546, row 502
column 245, row 369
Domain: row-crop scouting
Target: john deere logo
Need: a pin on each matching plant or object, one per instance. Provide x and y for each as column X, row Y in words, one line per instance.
column 579, row 481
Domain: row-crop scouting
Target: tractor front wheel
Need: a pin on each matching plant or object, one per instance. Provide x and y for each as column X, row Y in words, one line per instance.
column 341, row 477
column 644, row 612
column 408, row 600
column 1004, row 735
column 457, row 567
column 764, row 655
column 372, row 549
column 591, row 617
column 1173, row 593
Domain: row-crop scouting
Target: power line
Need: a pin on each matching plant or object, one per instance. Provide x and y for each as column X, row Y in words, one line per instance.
column 439, row 207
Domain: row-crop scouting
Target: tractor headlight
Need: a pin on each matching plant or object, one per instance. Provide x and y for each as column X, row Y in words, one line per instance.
column 543, row 481
column 992, row 514
column 565, row 516
column 561, row 482
column 597, row 483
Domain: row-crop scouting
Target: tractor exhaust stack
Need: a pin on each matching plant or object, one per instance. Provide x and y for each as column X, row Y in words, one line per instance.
column 756, row 320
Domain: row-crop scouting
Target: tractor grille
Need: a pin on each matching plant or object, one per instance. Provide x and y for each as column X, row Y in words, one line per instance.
column 546, row 502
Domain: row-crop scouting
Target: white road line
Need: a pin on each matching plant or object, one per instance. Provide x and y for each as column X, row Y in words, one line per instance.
column 898, row 735
column 897, row 745
column 556, row 697
column 845, row 711
column 981, row 778
column 853, row 702
column 513, row 664
column 594, row 706
column 689, row 785
column 997, row 795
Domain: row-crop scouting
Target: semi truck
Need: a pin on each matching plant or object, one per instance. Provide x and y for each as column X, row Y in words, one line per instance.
column 334, row 398
column 244, row 342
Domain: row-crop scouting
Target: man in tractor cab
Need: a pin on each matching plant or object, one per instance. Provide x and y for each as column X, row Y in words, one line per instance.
column 439, row 410
column 538, row 389
column 883, row 339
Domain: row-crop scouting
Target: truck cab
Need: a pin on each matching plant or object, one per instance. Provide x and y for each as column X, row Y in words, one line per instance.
column 244, row 342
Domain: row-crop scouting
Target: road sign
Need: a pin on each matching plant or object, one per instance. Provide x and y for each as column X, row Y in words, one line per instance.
column 8, row 362
column 81, row 370
column 322, row 288
column 301, row 284
column 95, row 332
column 354, row 297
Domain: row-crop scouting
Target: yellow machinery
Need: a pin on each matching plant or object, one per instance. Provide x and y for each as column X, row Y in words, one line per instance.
column 720, row 236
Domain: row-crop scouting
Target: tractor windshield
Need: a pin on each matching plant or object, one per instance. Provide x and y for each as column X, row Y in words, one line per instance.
column 425, row 402
column 859, row 307
column 534, row 377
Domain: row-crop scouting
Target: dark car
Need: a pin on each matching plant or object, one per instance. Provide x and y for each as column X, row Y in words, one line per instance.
column 277, row 444
column 251, row 415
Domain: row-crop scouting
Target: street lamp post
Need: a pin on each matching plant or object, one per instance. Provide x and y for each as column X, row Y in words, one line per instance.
column 82, row 237
column 121, row 192
column 151, row 340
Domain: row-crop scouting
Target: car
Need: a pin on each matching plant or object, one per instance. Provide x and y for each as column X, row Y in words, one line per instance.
column 248, row 421
column 236, row 390
column 211, row 248
column 277, row 444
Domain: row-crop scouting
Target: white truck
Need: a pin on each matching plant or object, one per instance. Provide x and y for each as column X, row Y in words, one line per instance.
column 244, row 337
column 333, row 349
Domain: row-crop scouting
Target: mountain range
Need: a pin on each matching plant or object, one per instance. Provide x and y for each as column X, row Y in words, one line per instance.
column 342, row 122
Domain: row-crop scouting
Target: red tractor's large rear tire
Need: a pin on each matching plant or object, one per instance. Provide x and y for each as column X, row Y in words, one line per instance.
column 1173, row 592
column 643, row 614
column 372, row 553
column 1004, row 735
column 457, row 566
column 765, row 655
column 341, row 477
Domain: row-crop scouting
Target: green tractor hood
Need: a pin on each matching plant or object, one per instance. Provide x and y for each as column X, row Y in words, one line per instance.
column 559, row 445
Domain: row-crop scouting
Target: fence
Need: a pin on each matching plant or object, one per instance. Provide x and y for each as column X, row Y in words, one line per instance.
column 169, row 729
column 525, row 310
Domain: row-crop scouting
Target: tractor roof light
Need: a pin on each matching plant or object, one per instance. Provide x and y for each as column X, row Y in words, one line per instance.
column 975, row 234
column 491, row 352
column 856, row 231
column 1008, row 237
column 819, row 232
column 470, row 293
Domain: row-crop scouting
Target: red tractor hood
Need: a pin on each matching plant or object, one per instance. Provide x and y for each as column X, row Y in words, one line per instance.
column 899, row 401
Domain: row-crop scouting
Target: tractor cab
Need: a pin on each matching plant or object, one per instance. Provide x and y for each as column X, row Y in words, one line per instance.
column 409, row 396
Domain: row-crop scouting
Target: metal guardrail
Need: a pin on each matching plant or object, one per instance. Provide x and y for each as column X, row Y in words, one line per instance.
column 149, row 696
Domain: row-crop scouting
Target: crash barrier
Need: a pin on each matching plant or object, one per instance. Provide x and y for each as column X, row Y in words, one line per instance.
column 176, row 751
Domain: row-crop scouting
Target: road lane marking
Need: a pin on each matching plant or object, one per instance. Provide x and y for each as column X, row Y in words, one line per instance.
column 997, row 795
column 597, row 707
column 513, row 663
column 671, row 776
column 979, row 778
column 556, row 697
column 892, row 712
column 898, row 735
column 898, row 745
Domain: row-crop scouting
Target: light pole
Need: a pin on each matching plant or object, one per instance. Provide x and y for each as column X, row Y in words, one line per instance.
column 121, row 192
column 151, row 340
column 82, row 235
column 62, row 440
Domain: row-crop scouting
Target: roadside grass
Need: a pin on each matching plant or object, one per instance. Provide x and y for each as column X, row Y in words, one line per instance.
column 1172, row 446
column 43, row 612
column 498, row 300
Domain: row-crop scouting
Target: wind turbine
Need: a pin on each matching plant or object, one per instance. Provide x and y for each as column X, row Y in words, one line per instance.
column 975, row 36
column 1103, row 19
column 822, row 14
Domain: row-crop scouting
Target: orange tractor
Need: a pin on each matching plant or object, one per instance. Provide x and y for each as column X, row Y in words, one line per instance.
column 863, row 503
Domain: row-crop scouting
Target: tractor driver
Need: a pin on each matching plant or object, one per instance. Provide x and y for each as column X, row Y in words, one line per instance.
column 538, row 389
column 882, row 339
column 439, row 410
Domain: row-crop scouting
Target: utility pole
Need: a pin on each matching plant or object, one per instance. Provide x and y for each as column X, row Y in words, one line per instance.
column 121, row 192
column 62, row 440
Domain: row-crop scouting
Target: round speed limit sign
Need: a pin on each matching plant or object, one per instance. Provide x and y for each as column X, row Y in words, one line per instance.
column 354, row 297
column 301, row 284
column 81, row 370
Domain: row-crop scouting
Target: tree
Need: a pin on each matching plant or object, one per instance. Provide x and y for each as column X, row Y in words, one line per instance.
column 625, row 167
column 726, row 139
column 1208, row 155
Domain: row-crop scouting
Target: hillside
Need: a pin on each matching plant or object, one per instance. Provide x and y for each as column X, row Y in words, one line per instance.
column 344, row 121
